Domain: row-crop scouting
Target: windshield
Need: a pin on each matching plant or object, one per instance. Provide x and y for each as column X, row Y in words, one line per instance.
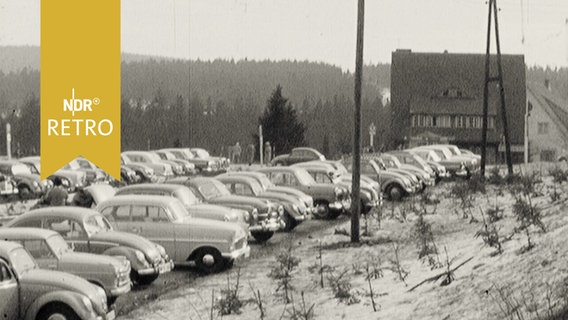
column 212, row 190
column 177, row 210
column 186, row 196
column 58, row 244
column 340, row 167
column 200, row 153
column 256, row 187
column 14, row 169
column 304, row 177
column 96, row 223
column 440, row 154
column 22, row 261
column 265, row 182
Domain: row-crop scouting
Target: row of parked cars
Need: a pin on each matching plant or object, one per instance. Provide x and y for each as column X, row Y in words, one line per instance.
column 139, row 231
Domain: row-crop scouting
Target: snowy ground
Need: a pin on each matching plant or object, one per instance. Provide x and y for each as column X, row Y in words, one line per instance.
column 489, row 286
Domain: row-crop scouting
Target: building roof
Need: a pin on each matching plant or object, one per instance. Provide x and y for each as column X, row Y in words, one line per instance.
column 552, row 104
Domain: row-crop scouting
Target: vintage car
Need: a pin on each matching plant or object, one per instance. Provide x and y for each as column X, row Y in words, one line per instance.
column 211, row 245
column 71, row 179
column 128, row 175
column 294, row 209
column 472, row 161
column 330, row 201
column 268, row 186
column 222, row 162
column 454, row 167
column 325, row 173
column 202, row 166
column 392, row 163
column 347, row 176
column 151, row 160
column 88, row 231
column 301, row 154
column 8, row 187
column 195, row 207
column 144, row 172
column 29, row 292
column 188, row 167
column 177, row 168
column 50, row 251
column 265, row 214
column 394, row 185
column 470, row 153
column 411, row 159
column 28, row 184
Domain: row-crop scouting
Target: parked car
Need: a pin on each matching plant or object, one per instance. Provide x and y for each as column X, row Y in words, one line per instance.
column 50, row 251
column 424, row 178
column 203, row 166
column 454, row 167
column 325, row 173
column 177, row 168
column 152, row 160
column 144, row 172
column 188, row 167
column 295, row 211
column 211, row 245
column 268, row 186
column 72, row 179
column 472, row 161
column 394, row 185
column 330, row 201
column 128, row 175
column 88, row 231
column 470, row 153
column 222, row 162
column 265, row 214
column 409, row 158
column 301, row 154
column 28, row 184
column 29, row 292
column 195, row 207
column 347, row 176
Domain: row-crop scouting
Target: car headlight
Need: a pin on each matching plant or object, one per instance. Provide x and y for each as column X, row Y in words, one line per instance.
column 337, row 191
column 254, row 214
column 36, row 184
column 161, row 250
column 247, row 216
column 295, row 208
column 210, row 163
column 141, row 258
column 280, row 210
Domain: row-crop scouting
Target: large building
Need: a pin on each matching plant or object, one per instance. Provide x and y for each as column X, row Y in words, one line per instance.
column 438, row 98
column 548, row 123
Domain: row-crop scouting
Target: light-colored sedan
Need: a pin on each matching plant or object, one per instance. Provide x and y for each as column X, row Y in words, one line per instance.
column 212, row 245
column 50, row 251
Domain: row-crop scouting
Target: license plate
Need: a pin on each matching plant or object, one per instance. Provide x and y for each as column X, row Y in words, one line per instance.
column 164, row 268
column 111, row 315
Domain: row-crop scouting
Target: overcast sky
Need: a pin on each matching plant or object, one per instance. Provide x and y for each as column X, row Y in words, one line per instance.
column 318, row 30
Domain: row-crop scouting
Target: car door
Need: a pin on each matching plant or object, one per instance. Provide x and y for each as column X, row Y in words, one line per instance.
column 9, row 293
column 153, row 223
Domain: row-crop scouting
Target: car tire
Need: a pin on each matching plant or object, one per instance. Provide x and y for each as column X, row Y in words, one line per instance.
column 322, row 210
column 24, row 192
column 142, row 280
column 395, row 193
column 209, row 260
column 57, row 311
column 289, row 222
column 262, row 236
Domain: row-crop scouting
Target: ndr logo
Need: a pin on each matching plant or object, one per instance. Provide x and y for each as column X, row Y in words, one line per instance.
column 77, row 105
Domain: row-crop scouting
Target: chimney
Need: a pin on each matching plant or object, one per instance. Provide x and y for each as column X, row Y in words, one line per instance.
column 547, row 84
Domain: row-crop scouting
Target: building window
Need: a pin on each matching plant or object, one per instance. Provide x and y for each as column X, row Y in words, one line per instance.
column 543, row 128
column 444, row 122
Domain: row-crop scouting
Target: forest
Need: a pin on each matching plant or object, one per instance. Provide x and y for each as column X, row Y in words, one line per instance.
column 214, row 104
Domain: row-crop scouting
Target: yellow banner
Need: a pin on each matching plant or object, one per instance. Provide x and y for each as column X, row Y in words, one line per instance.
column 80, row 84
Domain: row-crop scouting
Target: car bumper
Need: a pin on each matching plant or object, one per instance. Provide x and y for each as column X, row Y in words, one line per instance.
column 462, row 173
column 242, row 253
column 272, row 225
column 161, row 268
column 111, row 315
column 337, row 205
column 120, row 290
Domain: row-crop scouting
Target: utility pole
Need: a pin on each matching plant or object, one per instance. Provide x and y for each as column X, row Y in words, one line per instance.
column 499, row 79
column 9, row 141
column 260, row 143
column 356, row 203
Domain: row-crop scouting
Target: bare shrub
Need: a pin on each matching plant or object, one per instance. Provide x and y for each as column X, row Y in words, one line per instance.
column 527, row 215
column 319, row 266
column 423, row 237
column 495, row 177
column 257, row 300
column 341, row 287
column 558, row 174
column 490, row 235
column 397, row 267
column 229, row 301
column 303, row 312
column 282, row 272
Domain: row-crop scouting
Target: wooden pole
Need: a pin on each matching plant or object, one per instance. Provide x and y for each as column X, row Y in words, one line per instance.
column 486, row 95
column 355, row 202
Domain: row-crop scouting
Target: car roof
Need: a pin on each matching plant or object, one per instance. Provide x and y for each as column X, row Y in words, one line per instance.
column 153, row 186
column 140, row 199
column 62, row 211
column 236, row 177
column 25, row 233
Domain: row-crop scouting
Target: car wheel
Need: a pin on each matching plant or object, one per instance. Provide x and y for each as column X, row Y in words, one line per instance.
column 289, row 222
column 395, row 193
column 322, row 210
column 24, row 192
column 209, row 260
column 142, row 280
column 57, row 311
column 262, row 236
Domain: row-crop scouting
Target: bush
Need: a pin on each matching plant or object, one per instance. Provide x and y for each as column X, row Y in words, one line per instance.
column 341, row 287
column 286, row 263
column 229, row 301
column 558, row 174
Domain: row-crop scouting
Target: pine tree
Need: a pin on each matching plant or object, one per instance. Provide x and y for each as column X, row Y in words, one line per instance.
column 280, row 124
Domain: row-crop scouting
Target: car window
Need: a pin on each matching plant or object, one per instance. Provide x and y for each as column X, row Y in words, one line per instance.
column 29, row 224
column 157, row 214
column 65, row 227
column 122, row 213
column 321, row 177
column 138, row 213
column 5, row 274
column 38, row 249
